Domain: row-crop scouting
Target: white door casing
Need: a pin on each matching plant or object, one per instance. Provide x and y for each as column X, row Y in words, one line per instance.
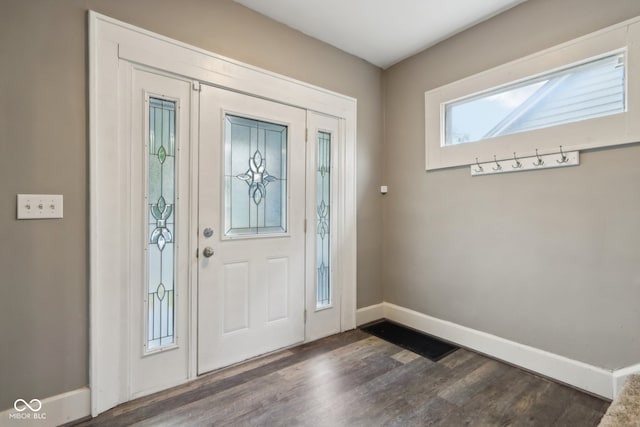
column 116, row 265
column 251, row 286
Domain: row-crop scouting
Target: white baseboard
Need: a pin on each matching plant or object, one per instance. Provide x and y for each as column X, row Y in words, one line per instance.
column 369, row 314
column 55, row 410
column 581, row 375
column 620, row 377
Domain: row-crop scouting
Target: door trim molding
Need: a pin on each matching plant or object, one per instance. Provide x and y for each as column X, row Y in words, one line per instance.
column 111, row 41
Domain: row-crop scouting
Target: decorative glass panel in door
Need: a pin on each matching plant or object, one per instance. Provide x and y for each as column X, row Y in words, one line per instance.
column 323, row 218
column 161, row 226
column 155, row 166
column 255, row 177
column 323, row 293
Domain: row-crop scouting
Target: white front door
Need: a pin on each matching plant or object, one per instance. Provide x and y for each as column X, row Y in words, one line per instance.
column 251, row 265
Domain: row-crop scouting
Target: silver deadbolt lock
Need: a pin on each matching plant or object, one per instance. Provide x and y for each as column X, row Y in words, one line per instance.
column 208, row 232
column 207, row 252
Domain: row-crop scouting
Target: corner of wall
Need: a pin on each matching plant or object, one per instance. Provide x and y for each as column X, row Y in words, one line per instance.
column 620, row 377
column 369, row 314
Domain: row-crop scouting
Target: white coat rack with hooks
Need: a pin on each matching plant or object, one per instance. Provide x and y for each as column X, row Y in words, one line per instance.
column 538, row 161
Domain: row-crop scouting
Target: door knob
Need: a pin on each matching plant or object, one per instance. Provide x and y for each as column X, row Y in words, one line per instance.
column 207, row 252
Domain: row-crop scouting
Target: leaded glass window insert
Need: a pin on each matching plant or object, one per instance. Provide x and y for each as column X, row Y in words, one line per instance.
column 255, row 179
column 323, row 220
column 161, row 198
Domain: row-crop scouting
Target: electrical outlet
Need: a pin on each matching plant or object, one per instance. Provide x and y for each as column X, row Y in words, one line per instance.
column 39, row 206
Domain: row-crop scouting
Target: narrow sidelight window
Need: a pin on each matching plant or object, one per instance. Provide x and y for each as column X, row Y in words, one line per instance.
column 323, row 217
column 161, row 232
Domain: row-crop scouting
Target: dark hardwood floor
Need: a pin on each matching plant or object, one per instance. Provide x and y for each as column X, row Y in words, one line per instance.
column 355, row 379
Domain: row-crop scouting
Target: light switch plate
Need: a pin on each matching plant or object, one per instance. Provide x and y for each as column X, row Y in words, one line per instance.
column 39, row 206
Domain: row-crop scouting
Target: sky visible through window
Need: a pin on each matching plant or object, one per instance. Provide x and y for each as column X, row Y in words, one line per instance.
column 472, row 120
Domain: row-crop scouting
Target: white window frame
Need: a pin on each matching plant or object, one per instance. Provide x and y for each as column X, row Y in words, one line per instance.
column 616, row 129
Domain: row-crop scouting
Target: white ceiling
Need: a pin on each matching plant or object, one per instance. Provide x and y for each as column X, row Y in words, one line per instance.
column 382, row 32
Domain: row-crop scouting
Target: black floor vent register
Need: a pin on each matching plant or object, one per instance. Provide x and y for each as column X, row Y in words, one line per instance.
column 410, row 339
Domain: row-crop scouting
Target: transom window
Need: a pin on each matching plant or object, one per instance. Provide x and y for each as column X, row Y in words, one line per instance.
column 594, row 88
column 581, row 94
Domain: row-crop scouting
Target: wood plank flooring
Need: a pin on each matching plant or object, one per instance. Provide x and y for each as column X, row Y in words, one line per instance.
column 355, row 379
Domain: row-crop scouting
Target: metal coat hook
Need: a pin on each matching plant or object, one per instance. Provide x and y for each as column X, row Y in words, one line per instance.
column 518, row 164
column 522, row 163
column 498, row 167
column 564, row 159
column 540, row 162
column 480, row 169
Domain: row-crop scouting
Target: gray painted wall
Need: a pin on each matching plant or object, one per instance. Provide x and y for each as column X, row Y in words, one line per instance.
column 44, row 324
column 572, row 235
column 549, row 258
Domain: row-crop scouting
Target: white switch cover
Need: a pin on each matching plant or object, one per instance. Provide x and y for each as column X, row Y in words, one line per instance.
column 39, row 206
